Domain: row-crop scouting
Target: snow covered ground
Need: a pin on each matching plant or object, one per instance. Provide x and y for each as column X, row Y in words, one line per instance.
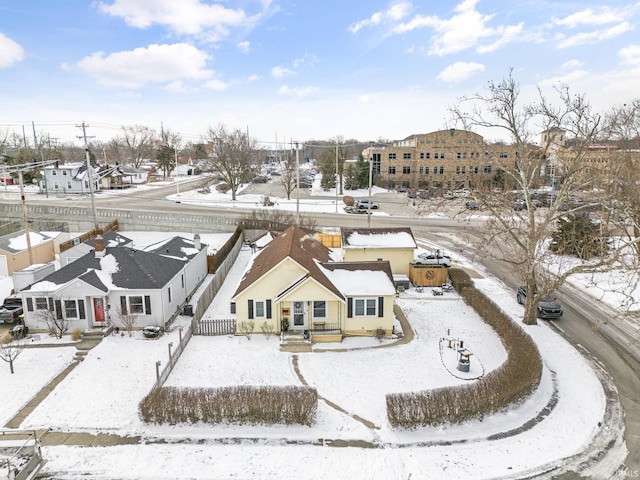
column 101, row 395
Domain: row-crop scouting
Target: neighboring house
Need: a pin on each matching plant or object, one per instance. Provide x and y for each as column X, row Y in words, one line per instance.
column 182, row 170
column 111, row 177
column 111, row 283
column 15, row 254
column 396, row 245
column 69, row 178
column 293, row 278
column 111, row 239
column 261, row 241
column 134, row 176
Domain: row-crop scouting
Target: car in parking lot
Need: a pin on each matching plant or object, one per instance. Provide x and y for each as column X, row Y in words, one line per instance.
column 433, row 259
column 548, row 307
column 364, row 204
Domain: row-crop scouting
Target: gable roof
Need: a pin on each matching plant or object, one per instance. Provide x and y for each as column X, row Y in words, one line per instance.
column 120, row 268
column 111, row 239
column 17, row 241
column 392, row 237
column 177, row 247
column 294, row 243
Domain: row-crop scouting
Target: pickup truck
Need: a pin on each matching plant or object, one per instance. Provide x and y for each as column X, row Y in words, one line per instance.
column 11, row 310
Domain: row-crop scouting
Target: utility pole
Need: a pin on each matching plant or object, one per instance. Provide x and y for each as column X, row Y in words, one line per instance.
column 89, row 176
column 25, row 221
column 297, row 186
column 337, row 177
column 370, row 181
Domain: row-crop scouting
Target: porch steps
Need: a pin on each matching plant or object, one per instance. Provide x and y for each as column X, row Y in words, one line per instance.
column 294, row 342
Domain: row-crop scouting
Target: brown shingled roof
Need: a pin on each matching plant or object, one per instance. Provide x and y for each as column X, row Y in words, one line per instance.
column 297, row 244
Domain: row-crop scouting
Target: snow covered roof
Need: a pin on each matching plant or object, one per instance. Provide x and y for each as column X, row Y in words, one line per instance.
column 400, row 237
column 112, row 239
column 177, row 247
column 17, row 242
column 361, row 278
column 120, row 268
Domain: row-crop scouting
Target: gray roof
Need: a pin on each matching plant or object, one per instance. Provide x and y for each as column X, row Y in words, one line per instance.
column 112, row 239
column 137, row 269
column 177, row 247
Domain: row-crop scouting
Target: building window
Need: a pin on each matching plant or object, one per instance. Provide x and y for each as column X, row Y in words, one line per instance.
column 259, row 310
column 426, row 170
column 427, row 155
column 69, row 185
column 457, row 169
column 441, row 169
column 392, row 156
column 169, row 292
column 54, row 173
column 392, row 170
column 406, row 155
column 365, row 307
column 421, row 155
column 136, row 304
column 70, row 309
column 459, row 155
column 487, row 169
column 464, row 168
column 406, row 169
column 319, row 309
column 64, row 172
column 182, row 280
column 442, row 155
column 503, row 155
column 435, row 155
column 41, row 303
column 421, row 170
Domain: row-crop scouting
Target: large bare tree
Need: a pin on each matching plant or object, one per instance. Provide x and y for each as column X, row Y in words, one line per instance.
column 517, row 232
column 135, row 144
column 234, row 156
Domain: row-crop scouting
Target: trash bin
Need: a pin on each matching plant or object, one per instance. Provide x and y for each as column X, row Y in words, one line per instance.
column 188, row 310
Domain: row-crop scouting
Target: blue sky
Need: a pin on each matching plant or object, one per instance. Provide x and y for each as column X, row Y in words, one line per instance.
column 298, row 69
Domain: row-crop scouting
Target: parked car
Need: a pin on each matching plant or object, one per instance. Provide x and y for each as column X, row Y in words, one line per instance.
column 548, row 307
column 151, row 331
column 402, row 189
column 11, row 310
column 433, row 259
column 260, row 179
column 19, row 331
column 522, row 205
column 364, row 204
column 472, row 205
column 412, row 194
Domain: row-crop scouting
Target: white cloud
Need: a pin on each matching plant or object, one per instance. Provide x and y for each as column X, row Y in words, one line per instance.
column 244, row 47
column 572, row 64
column 10, row 52
column 459, row 72
column 297, row 92
column 253, row 78
column 142, row 66
column 281, row 72
column 215, row 84
column 466, row 28
column 594, row 37
column 306, row 59
column 630, row 55
column 601, row 16
column 186, row 17
column 568, row 79
column 394, row 13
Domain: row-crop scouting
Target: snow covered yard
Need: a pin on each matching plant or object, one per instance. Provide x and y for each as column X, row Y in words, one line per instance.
column 34, row 368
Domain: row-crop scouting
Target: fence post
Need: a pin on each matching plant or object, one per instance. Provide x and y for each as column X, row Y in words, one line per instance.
column 158, row 370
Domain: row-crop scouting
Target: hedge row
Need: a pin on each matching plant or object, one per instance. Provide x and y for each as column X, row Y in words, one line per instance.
column 237, row 404
column 512, row 382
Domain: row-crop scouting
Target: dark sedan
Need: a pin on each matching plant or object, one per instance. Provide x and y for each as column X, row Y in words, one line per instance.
column 548, row 307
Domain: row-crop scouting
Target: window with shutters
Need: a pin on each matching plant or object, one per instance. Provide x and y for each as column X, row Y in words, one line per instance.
column 136, row 304
column 259, row 310
column 365, row 307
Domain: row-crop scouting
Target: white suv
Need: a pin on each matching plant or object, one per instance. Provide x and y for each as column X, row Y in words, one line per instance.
column 364, row 204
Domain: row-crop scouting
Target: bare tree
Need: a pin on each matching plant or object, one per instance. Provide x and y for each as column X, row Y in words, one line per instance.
column 234, row 156
column 126, row 320
column 136, row 143
column 10, row 350
column 289, row 174
column 53, row 316
column 522, row 237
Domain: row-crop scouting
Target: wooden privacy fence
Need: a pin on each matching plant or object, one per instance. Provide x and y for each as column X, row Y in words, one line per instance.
column 224, row 326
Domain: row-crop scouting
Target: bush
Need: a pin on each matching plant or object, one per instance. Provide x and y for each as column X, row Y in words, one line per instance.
column 348, row 201
column 512, row 382
column 265, row 405
column 76, row 334
column 223, row 187
column 6, row 338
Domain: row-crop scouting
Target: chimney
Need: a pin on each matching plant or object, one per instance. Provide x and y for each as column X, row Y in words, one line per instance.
column 98, row 244
column 196, row 242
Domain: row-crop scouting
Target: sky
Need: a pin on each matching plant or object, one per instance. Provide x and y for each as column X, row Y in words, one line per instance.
column 125, row 368
column 285, row 70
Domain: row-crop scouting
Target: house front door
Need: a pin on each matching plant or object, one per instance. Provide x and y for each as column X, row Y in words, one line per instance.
column 298, row 314
column 98, row 310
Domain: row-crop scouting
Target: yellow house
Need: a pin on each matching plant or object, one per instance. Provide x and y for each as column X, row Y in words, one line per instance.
column 16, row 253
column 293, row 284
column 396, row 245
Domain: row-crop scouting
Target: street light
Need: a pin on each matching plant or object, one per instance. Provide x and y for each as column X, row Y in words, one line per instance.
column 297, row 186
